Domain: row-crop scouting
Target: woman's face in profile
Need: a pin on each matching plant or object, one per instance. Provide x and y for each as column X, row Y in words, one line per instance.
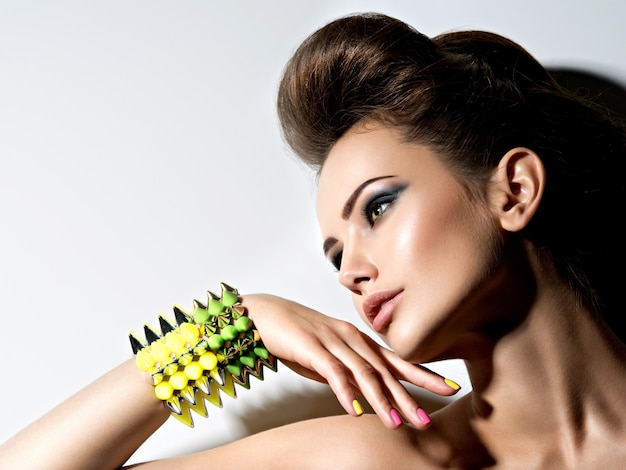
column 404, row 237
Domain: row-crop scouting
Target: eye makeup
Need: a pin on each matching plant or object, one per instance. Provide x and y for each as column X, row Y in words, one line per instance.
column 380, row 202
column 374, row 207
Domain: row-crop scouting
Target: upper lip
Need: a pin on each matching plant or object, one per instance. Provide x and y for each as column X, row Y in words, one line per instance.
column 374, row 301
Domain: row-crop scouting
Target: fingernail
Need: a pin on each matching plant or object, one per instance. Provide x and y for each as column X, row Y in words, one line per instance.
column 395, row 416
column 356, row 406
column 452, row 384
column 421, row 414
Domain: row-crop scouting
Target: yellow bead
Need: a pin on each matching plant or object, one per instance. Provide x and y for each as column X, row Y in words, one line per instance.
column 144, row 360
column 199, row 350
column 170, row 369
column 160, row 352
column 208, row 360
column 163, row 390
column 189, row 332
column 175, row 341
column 179, row 380
column 185, row 359
column 194, row 370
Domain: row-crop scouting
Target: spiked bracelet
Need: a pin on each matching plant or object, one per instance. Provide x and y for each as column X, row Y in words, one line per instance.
column 211, row 349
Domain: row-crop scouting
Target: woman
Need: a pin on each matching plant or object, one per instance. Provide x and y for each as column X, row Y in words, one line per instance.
column 472, row 207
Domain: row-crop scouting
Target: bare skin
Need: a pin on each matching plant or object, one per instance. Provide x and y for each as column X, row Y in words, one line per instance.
column 547, row 375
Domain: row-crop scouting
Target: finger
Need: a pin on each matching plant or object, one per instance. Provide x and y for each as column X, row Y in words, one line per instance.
column 377, row 371
column 373, row 385
column 315, row 361
column 361, row 368
column 419, row 375
column 405, row 403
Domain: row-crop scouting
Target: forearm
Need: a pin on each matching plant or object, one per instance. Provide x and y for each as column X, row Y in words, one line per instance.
column 99, row 427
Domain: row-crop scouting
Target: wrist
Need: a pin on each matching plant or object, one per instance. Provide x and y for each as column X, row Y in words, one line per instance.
column 201, row 354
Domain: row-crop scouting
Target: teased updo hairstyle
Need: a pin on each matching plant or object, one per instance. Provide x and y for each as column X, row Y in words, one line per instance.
column 471, row 96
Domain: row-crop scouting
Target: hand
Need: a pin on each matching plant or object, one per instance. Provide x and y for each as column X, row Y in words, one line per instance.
column 336, row 352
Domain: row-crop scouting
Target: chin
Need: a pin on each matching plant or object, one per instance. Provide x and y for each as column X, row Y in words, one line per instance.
column 402, row 351
column 407, row 349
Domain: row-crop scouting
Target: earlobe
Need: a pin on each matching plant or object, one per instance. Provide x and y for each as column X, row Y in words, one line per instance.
column 517, row 189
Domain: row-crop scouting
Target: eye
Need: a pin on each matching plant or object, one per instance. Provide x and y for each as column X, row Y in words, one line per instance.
column 336, row 260
column 376, row 211
column 380, row 203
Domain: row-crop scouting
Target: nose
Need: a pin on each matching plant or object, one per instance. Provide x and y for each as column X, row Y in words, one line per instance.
column 357, row 269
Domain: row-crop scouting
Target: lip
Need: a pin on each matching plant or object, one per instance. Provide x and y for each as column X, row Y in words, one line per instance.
column 379, row 306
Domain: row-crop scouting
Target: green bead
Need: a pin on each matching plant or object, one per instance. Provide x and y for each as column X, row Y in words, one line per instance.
column 229, row 298
column 243, row 324
column 234, row 368
column 229, row 332
column 215, row 341
column 248, row 360
column 200, row 315
column 262, row 352
column 215, row 307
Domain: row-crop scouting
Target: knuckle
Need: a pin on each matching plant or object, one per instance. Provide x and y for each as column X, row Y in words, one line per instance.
column 348, row 330
column 365, row 371
column 335, row 368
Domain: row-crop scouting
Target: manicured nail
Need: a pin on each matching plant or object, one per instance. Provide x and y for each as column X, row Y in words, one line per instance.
column 421, row 414
column 395, row 416
column 452, row 384
column 356, row 406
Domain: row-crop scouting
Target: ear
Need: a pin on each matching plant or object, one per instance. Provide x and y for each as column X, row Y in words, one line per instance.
column 517, row 188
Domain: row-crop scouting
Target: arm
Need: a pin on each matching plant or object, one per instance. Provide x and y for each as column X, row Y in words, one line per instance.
column 99, row 427
column 103, row 424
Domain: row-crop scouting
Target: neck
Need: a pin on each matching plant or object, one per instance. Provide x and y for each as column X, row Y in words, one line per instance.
column 560, row 373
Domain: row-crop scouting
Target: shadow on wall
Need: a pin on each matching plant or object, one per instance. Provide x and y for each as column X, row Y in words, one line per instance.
column 594, row 87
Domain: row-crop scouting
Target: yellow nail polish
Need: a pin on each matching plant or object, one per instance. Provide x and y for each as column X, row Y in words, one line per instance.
column 452, row 384
column 358, row 409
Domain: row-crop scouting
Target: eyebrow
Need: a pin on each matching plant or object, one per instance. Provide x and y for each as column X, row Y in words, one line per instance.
column 348, row 207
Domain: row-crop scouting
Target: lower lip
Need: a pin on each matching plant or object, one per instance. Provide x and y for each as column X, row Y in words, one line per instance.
column 383, row 318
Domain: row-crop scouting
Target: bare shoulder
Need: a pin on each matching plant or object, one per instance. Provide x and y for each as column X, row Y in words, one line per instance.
column 342, row 442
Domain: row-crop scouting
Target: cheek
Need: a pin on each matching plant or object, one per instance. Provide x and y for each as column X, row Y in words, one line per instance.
column 438, row 242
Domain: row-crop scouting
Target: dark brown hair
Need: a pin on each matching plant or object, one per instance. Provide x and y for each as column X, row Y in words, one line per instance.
column 471, row 96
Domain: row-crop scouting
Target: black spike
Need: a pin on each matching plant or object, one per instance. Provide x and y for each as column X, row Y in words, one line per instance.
column 135, row 343
column 151, row 335
column 165, row 325
column 181, row 317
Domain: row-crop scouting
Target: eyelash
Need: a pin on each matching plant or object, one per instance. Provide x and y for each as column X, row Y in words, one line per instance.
column 384, row 198
column 336, row 260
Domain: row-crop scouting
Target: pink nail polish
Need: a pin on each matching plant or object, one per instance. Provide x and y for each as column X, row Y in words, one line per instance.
column 421, row 414
column 395, row 416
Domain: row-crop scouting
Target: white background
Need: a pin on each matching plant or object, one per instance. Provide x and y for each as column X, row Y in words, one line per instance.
column 141, row 164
